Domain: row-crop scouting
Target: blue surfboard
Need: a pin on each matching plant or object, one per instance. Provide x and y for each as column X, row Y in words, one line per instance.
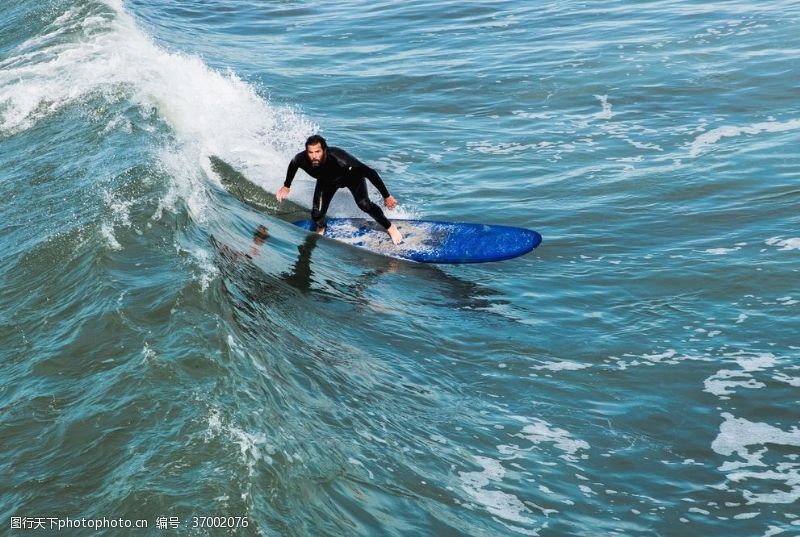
column 427, row 241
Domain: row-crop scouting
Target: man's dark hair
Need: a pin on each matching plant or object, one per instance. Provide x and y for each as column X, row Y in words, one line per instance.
column 316, row 139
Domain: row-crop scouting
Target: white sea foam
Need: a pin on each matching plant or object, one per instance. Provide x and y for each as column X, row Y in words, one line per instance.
column 107, row 231
column 786, row 379
column 501, row 148
column 565, row 365
column 534, row 115
column 148, row 353
column 773, row 530
column 746, row 516
column 642, row 145
column 253, row 447
column 785, row 244
column 538, row 432
column 666, row 356
column 606, row 113
column 669, row 356
column 758, row 362
column 750, row 443
column 721, row 251
column 702, row 142
column 210, row 112
column 724, row 382
column 500, row 504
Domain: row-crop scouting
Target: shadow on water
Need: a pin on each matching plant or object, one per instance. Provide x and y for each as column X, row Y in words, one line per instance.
column 304, row 278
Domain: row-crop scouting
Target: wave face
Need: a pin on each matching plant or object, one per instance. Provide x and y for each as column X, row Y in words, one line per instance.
column 635, row 375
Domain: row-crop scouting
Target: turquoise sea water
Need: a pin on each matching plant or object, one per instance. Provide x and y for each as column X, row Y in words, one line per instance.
column 638, row 374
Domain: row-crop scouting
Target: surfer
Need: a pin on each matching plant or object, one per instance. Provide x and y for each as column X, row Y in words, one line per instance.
column 334, row 168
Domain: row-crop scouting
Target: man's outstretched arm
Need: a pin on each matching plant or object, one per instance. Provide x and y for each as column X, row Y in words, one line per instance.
column 291, row 170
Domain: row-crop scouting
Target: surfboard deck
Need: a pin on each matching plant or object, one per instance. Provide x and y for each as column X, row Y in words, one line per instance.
column 429, row 241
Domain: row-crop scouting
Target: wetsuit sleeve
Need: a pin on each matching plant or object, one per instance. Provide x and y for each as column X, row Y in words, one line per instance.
column 294, row 165
column 376, row 180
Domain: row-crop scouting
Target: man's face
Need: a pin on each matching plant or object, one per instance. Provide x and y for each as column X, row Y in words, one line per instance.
column 315, row 154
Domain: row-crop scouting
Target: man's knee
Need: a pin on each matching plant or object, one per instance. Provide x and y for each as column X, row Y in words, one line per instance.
column 364, row 204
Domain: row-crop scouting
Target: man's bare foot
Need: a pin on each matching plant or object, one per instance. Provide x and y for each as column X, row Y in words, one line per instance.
column 394, row 233
column 320, row 231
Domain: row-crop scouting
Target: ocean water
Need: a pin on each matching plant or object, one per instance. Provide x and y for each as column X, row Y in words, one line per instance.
column 637, row 374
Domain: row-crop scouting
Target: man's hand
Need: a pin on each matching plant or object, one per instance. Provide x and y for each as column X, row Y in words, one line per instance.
column 390, row 202
column 282, row 194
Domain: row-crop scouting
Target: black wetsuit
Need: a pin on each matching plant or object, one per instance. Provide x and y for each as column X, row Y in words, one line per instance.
column 339, row 169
